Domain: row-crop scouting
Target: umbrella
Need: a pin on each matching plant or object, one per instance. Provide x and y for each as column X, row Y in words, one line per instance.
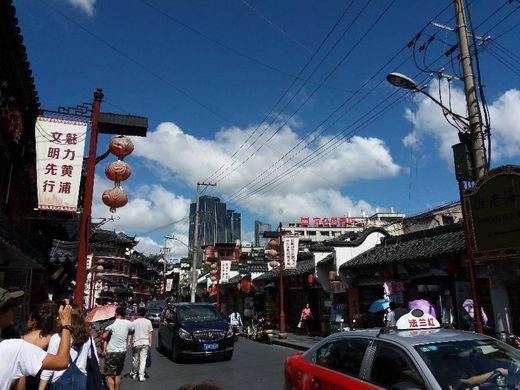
column 101, row 313
column 379, row 305
column 423, row 305
column 468, row 306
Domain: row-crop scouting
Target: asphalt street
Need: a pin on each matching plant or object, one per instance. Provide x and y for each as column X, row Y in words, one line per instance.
column 253, row 366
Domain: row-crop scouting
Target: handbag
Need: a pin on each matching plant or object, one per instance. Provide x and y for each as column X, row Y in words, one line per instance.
column 94, row 378
column 149, row 358
column 299, row 324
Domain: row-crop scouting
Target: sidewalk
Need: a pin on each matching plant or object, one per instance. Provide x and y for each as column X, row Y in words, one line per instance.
column 296, row 341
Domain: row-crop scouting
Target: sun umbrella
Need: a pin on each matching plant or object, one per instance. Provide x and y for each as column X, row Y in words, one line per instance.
column 468, row 306
column 423, row 305
column 379, row 305
column 101, row 313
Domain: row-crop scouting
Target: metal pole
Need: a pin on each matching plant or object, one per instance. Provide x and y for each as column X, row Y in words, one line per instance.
column 84, row 237
column 282, row 298
column 218, row 284
column 475, row 119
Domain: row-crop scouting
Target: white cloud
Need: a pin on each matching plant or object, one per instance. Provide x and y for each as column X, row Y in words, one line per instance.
column 429, row 123
column 190, row 159
column 86, row 6
column 147, row 246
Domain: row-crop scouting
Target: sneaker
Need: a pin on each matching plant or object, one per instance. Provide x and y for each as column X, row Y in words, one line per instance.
column 141, row 379
column 133, row 376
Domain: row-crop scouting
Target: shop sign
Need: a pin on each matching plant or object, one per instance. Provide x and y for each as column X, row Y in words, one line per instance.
column 493, row 207
column 225, row 270
column 59, row 159
column 417, row 320
column 290, row 248
column 328, row 222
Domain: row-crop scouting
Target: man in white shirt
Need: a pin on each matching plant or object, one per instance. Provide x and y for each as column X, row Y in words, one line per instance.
column 141, row 343
column 115, row 349
column 235, row 319
column 20, row 358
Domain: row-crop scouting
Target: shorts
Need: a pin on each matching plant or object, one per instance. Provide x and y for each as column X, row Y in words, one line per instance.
column 114, row 363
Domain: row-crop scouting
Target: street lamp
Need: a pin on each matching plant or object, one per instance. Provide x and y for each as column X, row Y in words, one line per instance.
column 401, row 81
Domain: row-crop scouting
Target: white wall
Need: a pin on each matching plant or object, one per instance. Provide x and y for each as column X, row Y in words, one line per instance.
column 346, row 253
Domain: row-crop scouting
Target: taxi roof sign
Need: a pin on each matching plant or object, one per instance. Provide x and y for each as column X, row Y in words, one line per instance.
column 417, row 320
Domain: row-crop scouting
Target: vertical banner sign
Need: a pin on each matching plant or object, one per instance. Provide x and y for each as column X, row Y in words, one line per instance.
column 59, row 158
column 290, row 248
column 169, row 283
column 225, row 270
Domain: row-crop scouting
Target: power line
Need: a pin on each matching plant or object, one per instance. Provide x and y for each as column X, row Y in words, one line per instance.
column 280, row 99
column 358, row 42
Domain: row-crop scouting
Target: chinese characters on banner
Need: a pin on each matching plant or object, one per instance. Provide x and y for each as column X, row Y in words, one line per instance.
column 290, row 248
column 59, row 153
column 225, row 270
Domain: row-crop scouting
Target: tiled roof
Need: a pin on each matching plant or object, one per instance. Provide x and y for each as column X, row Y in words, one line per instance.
column 424, row 244
column 326, row 259
column 303, row 266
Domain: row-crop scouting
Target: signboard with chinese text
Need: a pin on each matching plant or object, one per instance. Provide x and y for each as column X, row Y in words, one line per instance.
column 329, row 222
column 493, row 213
column 59, row 159
column 225, row 270
column 290, row 249
column 169, row 283
column 416, row 320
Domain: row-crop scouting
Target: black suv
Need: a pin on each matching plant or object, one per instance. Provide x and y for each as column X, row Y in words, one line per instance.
column 194, row 329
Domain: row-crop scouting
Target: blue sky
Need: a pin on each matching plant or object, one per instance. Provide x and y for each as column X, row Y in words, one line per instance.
column 207, row 74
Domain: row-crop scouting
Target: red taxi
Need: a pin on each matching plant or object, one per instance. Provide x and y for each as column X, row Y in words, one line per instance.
column 418, row 354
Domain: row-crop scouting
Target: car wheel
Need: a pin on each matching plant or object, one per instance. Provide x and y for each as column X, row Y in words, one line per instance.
column 228, row 355
column 175, row 352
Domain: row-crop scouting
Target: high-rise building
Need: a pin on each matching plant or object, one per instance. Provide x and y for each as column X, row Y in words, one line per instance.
column 260, row 228
column 216, row 223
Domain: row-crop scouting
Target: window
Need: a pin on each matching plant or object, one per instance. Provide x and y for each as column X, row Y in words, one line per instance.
column 344, row 355
column 391, row 365
column 312, row 232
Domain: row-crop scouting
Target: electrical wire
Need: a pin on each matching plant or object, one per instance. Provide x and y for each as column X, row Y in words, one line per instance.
column 280, row 99
column 324, row 80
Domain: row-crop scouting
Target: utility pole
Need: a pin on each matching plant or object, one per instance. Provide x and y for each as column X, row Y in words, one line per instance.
column 475, row 119
column 195, row 247
column 477, row 145
column 166, row 249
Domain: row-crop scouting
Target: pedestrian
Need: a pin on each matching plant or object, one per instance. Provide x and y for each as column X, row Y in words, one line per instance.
column 42, row 323
column 390, row 319
column 115, row 348
column 141, row 344
column 20, row 358
column 235, row 319
column 305, row 318
column 75, row 376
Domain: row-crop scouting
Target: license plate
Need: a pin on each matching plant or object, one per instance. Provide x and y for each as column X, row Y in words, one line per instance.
column 209, row 347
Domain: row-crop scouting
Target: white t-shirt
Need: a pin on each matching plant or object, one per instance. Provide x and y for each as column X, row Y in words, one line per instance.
column 81, row 363
column 142, row 327
column 390, row 317
column 119, row 331
column 235, row 319
column 18, row 358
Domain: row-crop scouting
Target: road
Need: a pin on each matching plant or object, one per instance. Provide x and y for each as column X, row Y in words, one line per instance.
column 253, row 366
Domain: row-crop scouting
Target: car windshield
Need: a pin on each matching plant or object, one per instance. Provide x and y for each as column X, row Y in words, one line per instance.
column 198, row 314
column 155, row 305
column 468, row 364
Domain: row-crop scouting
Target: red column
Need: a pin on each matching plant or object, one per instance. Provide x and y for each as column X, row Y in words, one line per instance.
column 282, row 298
column 470, row 262
column 79, row 295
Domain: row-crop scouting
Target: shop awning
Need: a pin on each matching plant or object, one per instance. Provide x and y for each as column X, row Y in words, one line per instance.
column 422, row 245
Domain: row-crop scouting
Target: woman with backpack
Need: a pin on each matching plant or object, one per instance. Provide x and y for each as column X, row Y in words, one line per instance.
column 75, row 376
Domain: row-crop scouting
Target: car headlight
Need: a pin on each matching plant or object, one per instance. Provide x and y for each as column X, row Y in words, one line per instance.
column 230, row 333
column 185, row 335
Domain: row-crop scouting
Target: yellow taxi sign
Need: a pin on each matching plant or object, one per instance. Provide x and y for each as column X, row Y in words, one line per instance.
column 417, row 320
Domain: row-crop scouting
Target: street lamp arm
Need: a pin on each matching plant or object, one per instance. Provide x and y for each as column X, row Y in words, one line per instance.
column 462, row 120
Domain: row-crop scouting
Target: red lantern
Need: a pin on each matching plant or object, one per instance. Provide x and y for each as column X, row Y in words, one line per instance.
column 114, row 198
column 272, row 253
column 213, row 265
column 311, row 279
column 274, row 263
column 247, row 286
column 272, row 243
column 121, row 146
column 213, row 272
column 332, row 276
column 118, row 171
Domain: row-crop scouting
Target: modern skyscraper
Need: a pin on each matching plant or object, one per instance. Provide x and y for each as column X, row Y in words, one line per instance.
column 217, row 224
column 260, row 228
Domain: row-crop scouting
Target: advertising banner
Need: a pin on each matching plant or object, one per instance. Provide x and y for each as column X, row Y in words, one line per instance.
column 59, row 158
column 225, row 270
column 290, row 248
column 169, row 283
